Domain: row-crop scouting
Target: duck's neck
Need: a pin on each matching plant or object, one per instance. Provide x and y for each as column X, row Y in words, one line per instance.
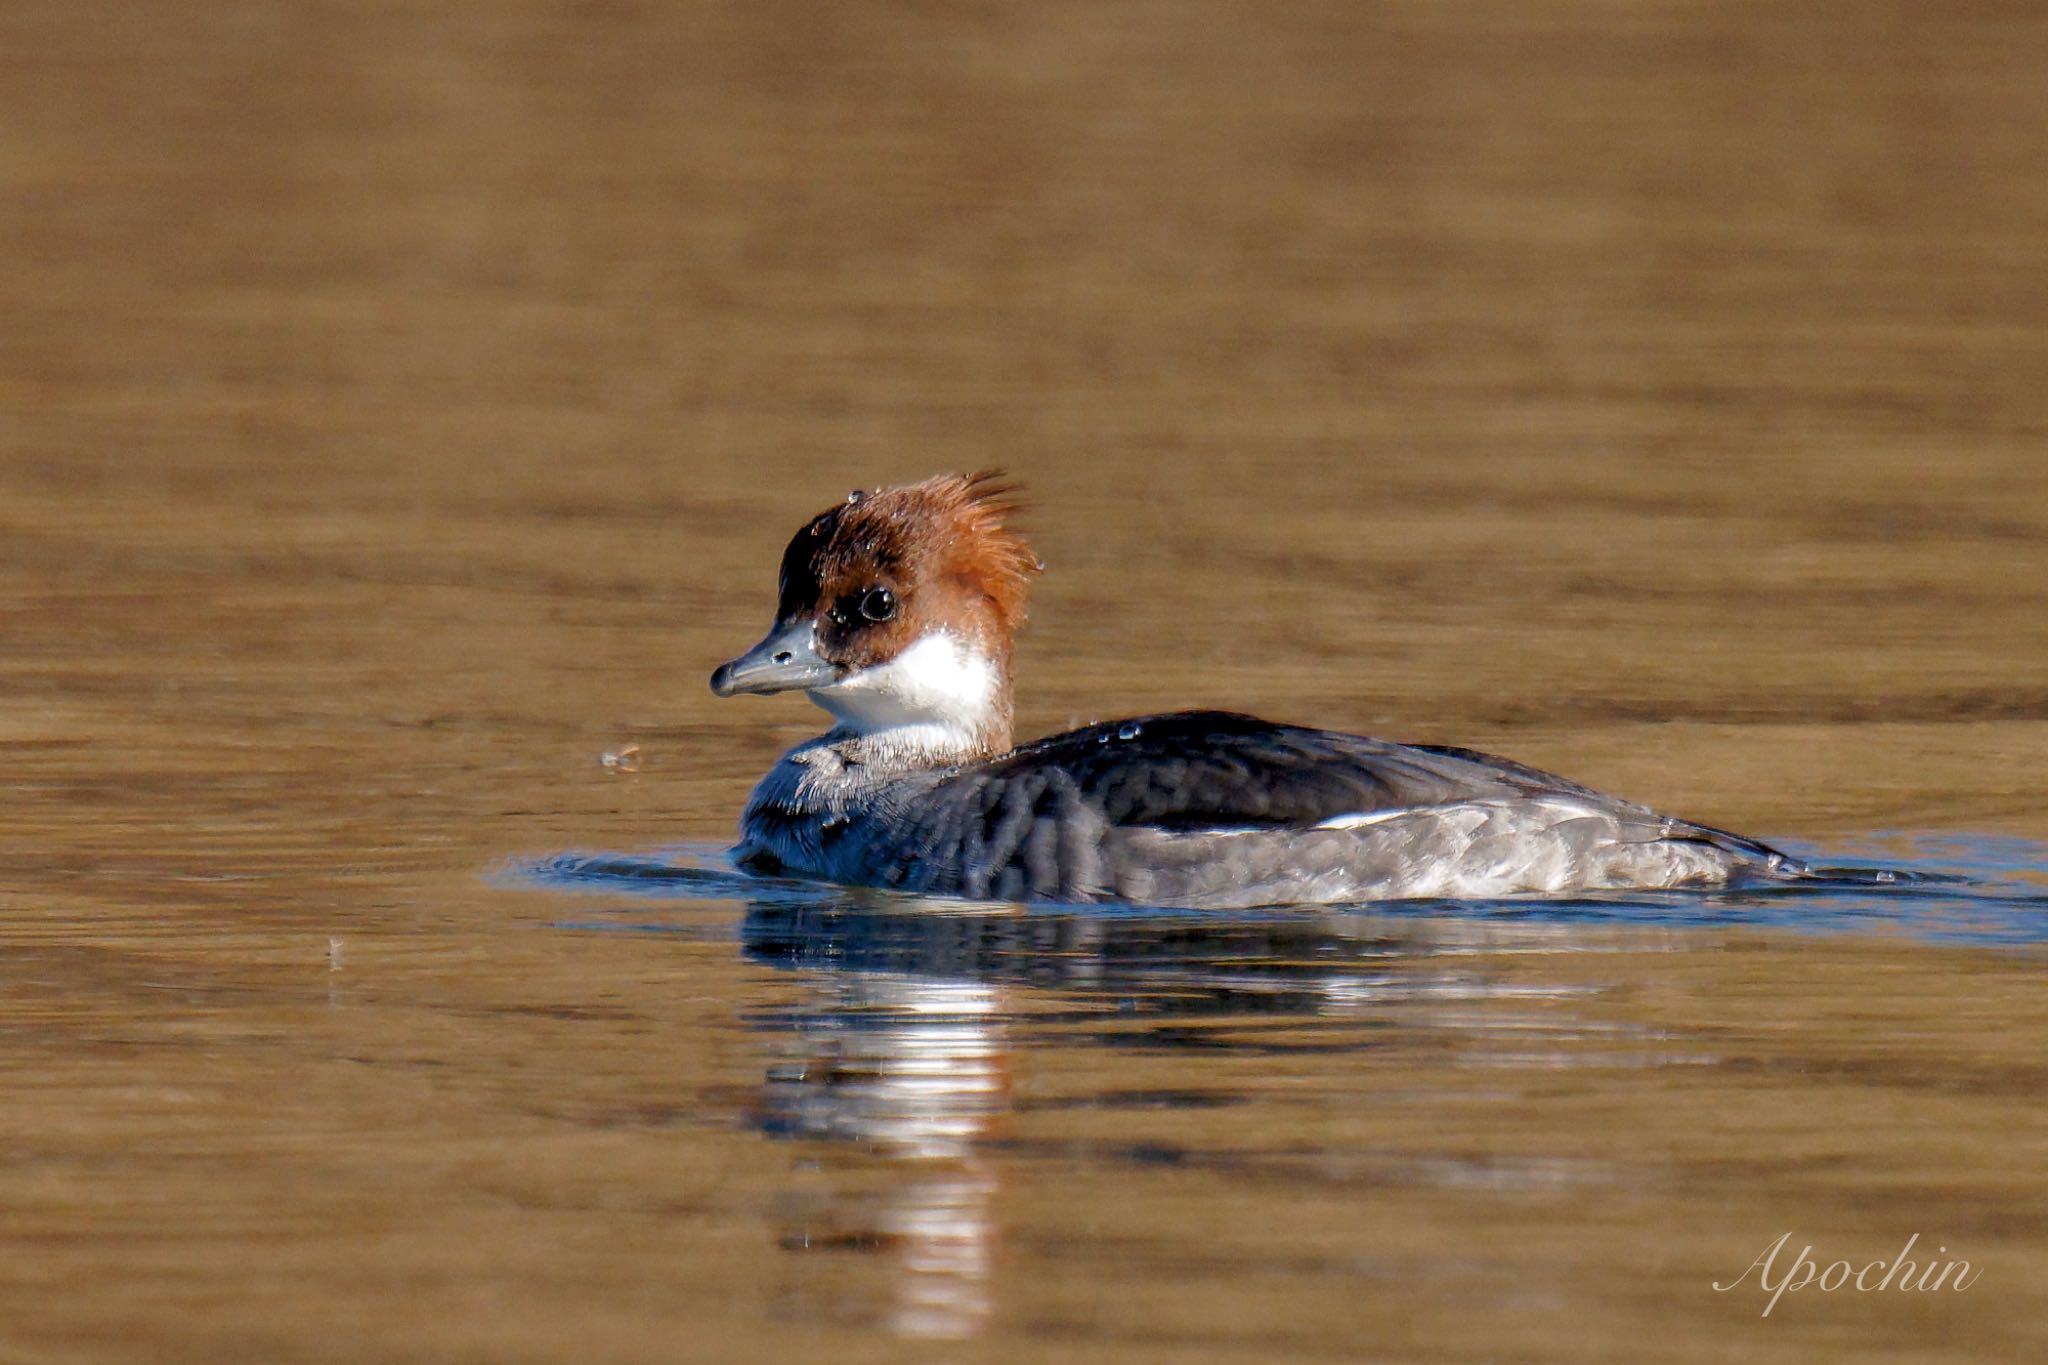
column 942, row 702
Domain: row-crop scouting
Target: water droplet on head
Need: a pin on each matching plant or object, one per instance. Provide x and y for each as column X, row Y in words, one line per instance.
column 1128, row 730
column 856, row 495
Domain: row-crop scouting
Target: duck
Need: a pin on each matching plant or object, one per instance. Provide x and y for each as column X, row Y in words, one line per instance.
column 896, row 612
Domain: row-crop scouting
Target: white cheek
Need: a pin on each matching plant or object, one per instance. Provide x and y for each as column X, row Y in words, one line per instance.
column 938, row 680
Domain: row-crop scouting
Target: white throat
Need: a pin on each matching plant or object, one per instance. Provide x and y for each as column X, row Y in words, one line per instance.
column 938, row 698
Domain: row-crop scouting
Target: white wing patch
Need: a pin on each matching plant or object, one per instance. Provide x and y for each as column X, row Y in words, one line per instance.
column 1366, row 817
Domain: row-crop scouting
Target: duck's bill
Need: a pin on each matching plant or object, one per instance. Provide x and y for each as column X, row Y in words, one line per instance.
column 784, row 662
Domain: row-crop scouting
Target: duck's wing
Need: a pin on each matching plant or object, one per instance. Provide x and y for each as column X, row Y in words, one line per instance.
column 1216, row 809
column 1195, row 770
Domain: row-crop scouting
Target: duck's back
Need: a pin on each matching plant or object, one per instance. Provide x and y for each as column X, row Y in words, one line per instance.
column 1211, row 808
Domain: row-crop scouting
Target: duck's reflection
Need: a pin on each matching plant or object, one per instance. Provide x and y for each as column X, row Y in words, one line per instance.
column 913, row 1070
column 901, row 1048
column 893, row 1068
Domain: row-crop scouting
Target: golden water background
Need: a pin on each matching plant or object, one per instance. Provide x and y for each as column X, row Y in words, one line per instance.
column 403, row 405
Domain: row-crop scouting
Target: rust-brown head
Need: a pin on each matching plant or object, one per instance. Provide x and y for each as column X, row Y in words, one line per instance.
column 896, row 612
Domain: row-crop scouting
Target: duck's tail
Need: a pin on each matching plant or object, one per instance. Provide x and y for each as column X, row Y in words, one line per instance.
column 1758, row 864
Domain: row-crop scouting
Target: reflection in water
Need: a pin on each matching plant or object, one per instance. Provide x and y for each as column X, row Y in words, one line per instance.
column 912, row 1071
column 896, row 1063
column 1157, row 965
column 902, row 1048
column 907, row 1066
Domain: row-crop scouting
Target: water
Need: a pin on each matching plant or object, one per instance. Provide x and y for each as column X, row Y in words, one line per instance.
column 400, row 415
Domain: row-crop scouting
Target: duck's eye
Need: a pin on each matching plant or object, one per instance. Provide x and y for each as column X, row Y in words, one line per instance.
column 878, row 604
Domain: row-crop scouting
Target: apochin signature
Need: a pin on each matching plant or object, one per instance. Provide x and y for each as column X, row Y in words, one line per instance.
column 1873, row 1277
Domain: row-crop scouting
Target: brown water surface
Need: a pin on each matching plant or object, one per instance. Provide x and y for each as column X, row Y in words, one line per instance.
column 402, row 407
